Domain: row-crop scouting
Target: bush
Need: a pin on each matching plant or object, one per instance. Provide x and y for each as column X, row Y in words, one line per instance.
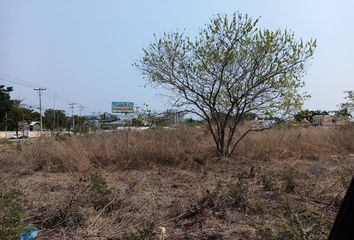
column 268, row 182
column 99, row 183
column 137, row 122
column 289, row 180
column 11, row 213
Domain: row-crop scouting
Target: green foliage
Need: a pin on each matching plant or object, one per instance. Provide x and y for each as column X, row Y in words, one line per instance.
column 308, row 114
column 268, row 182
column 249, row 116
column 304, row 114
column 137, row 122
column 230, row 70
column 349, row 100
column 141, row 113
column 347, row 106
column 11, row 213
column 99, row 183
column 5, row 103
column 343, row 113
column 19, row 114
column 81, row 125
column 60, row 119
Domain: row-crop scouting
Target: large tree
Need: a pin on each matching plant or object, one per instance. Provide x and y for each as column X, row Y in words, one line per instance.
column 19, row 114
column 5, row 104
column 57, row 121
column 230, row 70
column 349, row 101
column 346, row 109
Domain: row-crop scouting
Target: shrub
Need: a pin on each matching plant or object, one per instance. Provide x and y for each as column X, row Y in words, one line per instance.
column 99, row 183
column 268, row 182
column 137, row 122
column 11, row 213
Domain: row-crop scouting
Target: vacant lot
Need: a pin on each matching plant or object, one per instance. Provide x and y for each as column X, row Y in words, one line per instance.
column 285, row 183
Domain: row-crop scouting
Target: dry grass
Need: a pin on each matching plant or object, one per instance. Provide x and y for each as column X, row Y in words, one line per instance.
column 172, row 147
column 280, row 184
column 117, row 150
column 298, row 143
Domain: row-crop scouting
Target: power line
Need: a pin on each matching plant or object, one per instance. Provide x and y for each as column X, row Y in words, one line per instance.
column 29, row 84
column 18, row 81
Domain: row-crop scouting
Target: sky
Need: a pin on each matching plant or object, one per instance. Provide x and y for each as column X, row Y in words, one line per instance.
column 82, row 51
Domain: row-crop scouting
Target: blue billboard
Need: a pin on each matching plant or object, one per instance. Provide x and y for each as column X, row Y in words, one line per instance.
column 122, row 107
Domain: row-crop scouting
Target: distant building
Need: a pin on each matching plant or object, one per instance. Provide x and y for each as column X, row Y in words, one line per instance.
column 111, row 125
column 92, row 117
column 167, row 118
column 35, row 126
column 109, row 117
column 174, row 116
column 323, row 120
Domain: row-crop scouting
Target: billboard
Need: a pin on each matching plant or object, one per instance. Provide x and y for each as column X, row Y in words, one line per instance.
column 122, row 107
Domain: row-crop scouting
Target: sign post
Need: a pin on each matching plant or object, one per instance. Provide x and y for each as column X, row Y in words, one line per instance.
column 124, row 107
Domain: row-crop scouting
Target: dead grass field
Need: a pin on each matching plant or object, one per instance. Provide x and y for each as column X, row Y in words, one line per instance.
column 285, row 183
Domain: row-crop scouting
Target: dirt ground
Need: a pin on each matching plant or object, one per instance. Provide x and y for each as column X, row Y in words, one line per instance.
column 214, row 199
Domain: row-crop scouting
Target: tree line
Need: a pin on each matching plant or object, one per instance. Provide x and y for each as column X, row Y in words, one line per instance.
column 12, row 114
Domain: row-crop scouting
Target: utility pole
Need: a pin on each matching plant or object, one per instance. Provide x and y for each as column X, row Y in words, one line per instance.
column 5, row 122
column 72, row 106
column 54, row 113
column 40, row 92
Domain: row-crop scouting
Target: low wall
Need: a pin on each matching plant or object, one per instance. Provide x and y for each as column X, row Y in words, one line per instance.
column 9, row 134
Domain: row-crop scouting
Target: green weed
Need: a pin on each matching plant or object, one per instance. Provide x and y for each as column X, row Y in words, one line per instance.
column 11, row 213
column 99, row 183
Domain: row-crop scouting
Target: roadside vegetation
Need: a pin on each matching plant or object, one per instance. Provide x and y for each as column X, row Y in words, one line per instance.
column 285, row 183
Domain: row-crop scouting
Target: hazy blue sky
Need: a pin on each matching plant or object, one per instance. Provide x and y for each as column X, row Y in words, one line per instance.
column 84, row 49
